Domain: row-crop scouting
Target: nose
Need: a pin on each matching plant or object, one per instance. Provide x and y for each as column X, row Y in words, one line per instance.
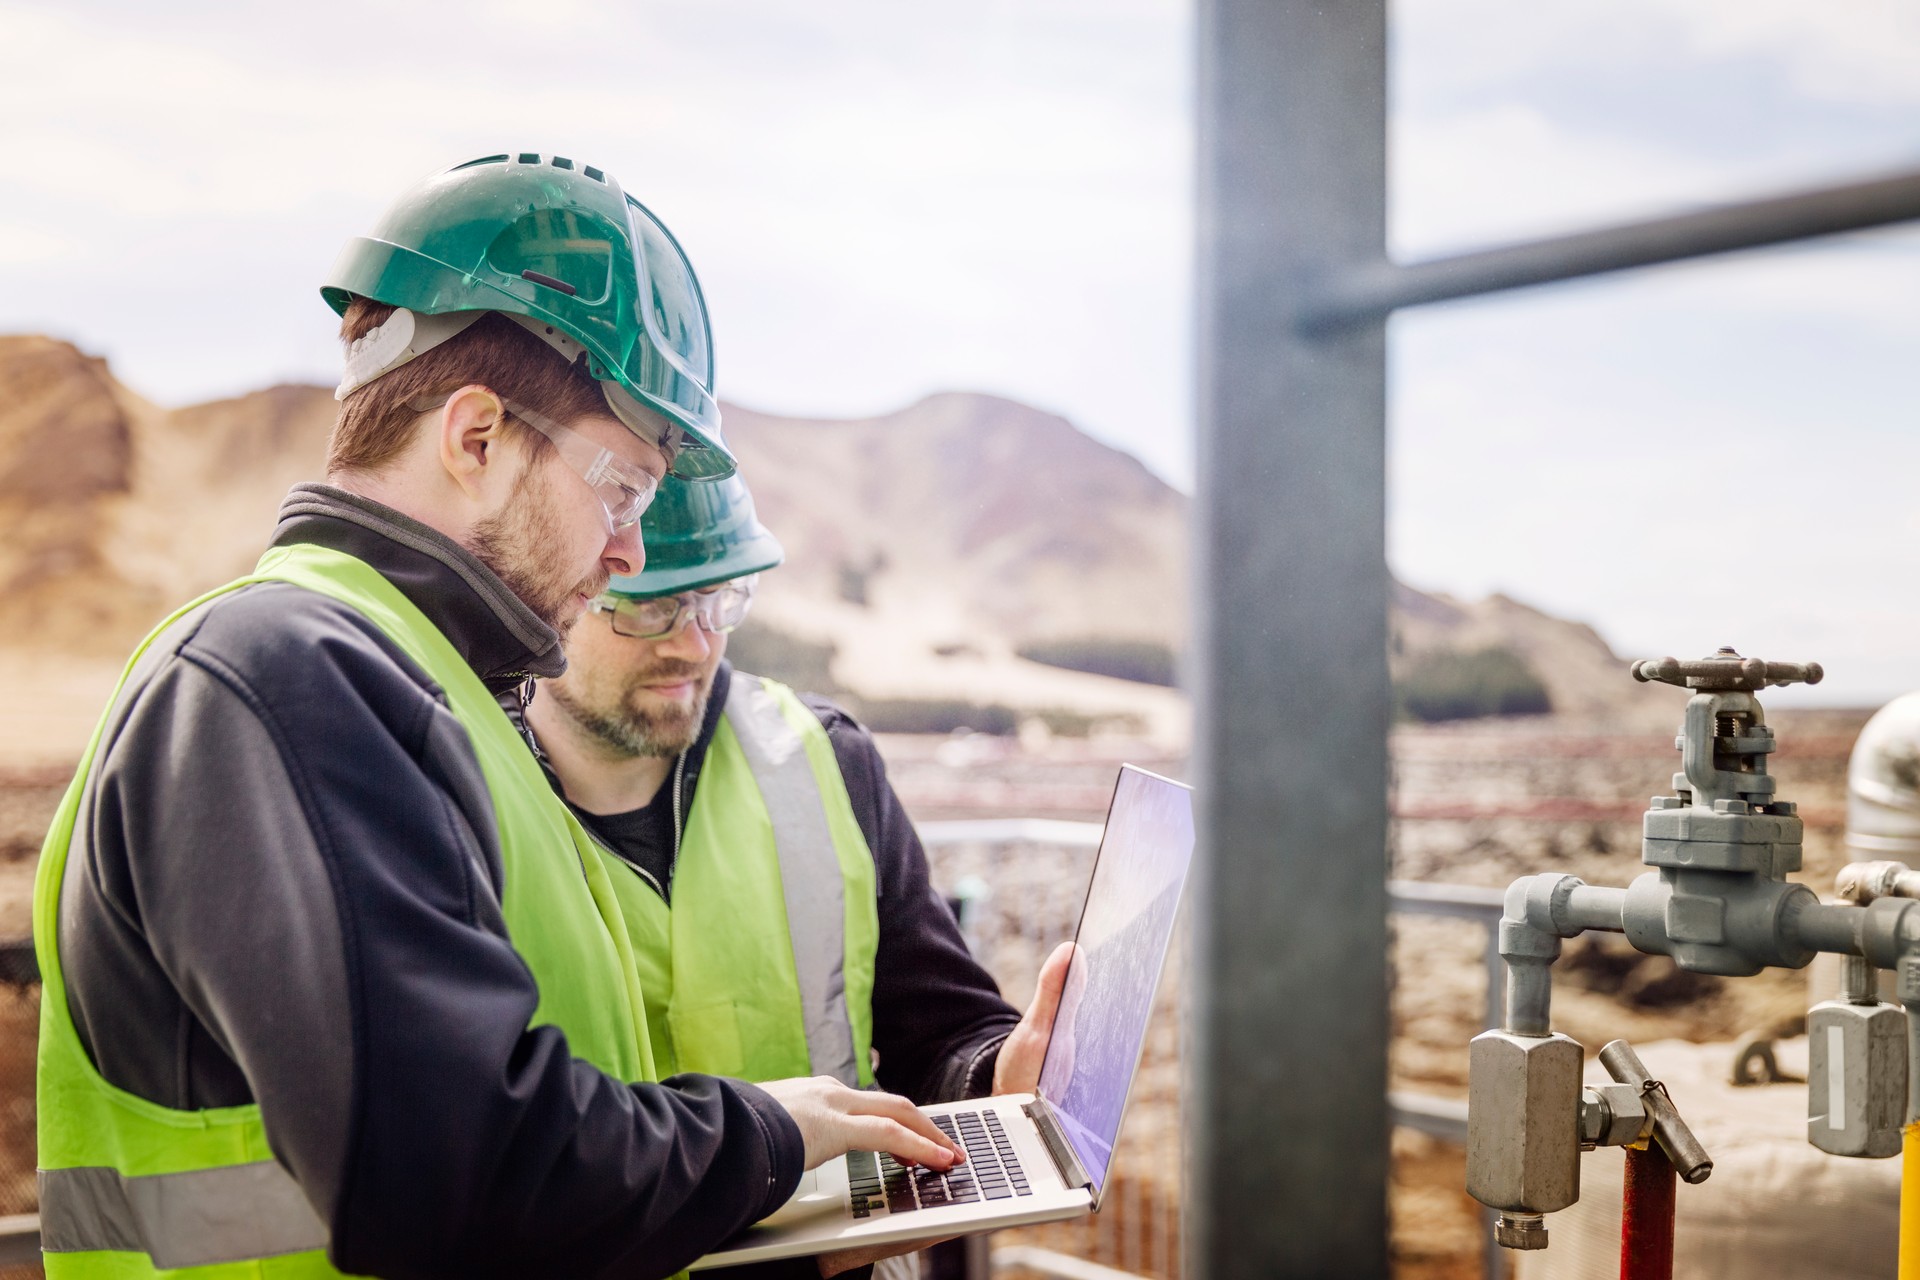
column 689, row 642
column 624, row 556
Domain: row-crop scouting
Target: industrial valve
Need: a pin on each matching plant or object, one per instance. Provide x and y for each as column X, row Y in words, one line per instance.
column 1717, row 899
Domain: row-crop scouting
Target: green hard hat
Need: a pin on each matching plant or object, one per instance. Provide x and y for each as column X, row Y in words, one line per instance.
column 559, row 248
column 699, row 535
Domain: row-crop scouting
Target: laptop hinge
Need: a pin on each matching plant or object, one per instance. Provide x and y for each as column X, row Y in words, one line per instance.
column 1071, row 1171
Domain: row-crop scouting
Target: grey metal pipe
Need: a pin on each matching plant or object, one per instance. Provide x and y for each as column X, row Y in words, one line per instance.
column 1366, row 294
column 1529, row 996
column 1825, row 926
column 1592, row 906
column 1858, row 984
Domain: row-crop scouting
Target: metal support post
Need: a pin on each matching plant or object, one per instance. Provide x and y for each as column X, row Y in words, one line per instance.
column 1290, row 673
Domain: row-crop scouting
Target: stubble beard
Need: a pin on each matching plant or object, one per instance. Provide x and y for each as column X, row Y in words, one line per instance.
column 522, row 544
column 620, row 726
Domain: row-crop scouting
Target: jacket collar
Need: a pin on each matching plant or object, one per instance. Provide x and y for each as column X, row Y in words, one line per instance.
column 492, row 628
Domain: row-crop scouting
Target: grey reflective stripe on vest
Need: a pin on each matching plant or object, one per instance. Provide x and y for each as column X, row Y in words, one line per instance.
column 192, row 1219
column 809, row 872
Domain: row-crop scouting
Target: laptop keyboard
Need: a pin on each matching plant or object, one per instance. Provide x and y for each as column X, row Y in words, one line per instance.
column 876, row 1181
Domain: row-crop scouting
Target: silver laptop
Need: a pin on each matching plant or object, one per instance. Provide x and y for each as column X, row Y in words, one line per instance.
column 1029, row 1158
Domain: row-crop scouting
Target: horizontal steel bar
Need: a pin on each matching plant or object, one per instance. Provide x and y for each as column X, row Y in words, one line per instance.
column 1010, row 831
column 19, row 1239
column 1371, row 292
column 1444, row 1118
column 1417, row 897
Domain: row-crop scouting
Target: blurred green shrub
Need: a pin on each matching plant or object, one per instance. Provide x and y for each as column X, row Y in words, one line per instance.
column 1142, row 661
column 1448, row 684
column 933, row 715
column 806, row 665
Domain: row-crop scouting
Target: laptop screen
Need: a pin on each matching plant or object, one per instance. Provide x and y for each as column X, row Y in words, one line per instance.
column 1120, row 948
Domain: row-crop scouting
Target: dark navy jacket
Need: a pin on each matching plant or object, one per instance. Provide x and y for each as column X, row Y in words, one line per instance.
column 284, row 889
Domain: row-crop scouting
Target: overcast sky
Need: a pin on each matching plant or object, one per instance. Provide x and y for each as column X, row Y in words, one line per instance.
column 885, row 199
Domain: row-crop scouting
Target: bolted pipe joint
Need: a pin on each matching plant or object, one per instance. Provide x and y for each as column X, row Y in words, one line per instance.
column 1613, row 1115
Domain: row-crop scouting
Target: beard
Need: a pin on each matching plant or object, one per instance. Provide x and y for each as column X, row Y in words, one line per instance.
column 609, row 711
column 523, row 545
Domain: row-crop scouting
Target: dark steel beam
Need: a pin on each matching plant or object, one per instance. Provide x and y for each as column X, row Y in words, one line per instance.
column 1374, row 290
column 1290, row 1012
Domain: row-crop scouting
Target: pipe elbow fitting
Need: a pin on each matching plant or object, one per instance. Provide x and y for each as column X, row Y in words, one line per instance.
column 1535, row 918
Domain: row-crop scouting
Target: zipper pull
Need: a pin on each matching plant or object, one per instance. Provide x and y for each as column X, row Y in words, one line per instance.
column 526, row 727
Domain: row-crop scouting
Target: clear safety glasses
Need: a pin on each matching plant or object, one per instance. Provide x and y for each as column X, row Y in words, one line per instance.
column 625, row 490
column 717, row 610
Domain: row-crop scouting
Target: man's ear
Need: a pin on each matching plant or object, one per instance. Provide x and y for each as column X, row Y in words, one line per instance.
column 470, row 432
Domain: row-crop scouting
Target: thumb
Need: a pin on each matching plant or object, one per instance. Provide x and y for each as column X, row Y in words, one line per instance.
column 1046, row 992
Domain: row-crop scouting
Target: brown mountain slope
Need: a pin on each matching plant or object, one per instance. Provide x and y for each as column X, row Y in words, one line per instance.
column 976, row 514
column 927, row 544
column 113, row 510
column 1582, row 674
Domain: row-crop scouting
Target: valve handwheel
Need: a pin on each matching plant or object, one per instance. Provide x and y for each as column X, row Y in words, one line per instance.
column 1726, row 670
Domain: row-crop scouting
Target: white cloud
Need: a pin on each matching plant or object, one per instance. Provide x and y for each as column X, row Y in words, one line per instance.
column 1853, row 50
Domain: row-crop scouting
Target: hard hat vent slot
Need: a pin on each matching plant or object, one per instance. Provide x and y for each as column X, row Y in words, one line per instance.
column 482, row 160
column 529, row 157
column 594, row 173
column 561, row 162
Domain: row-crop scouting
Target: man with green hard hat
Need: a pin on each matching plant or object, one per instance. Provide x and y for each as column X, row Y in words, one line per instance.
column 782, row 914
column 334, row 984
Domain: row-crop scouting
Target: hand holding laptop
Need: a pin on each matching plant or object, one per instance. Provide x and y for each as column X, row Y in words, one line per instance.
column 835, row 1119
column 1017, row 1070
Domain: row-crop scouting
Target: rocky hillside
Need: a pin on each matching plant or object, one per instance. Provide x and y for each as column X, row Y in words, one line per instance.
column 926, row 547
column 112, row 509
column 1581, row 674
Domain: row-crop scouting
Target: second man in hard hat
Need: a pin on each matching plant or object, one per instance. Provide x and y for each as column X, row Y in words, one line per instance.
column 784, row 919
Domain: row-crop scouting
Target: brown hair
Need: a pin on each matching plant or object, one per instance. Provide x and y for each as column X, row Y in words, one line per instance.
column 376, row 421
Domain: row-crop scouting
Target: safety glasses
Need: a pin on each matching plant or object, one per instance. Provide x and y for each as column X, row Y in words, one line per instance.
column 717, row 610
column 624, row 489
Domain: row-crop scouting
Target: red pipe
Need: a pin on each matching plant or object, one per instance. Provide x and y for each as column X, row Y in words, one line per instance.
column 1646, row 1216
